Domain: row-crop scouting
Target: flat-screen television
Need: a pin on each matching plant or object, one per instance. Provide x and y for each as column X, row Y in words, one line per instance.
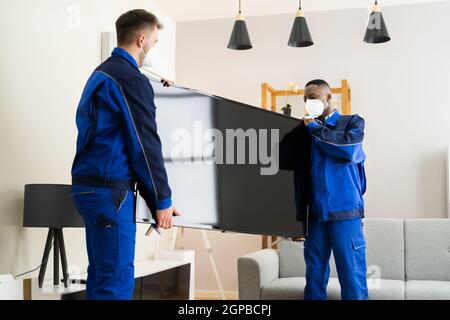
column 221, row 160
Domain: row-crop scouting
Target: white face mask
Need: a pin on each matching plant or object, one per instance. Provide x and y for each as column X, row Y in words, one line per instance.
column 148, row 58
column 314, row 107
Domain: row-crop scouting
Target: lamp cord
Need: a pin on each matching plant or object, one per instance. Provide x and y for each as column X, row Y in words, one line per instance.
column 240, row 6
column 44, row 262
column 300, row 4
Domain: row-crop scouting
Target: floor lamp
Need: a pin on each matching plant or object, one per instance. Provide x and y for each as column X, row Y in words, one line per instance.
column 51, row 206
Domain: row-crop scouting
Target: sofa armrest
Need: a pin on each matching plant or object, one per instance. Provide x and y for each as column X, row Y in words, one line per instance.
column 255, row 270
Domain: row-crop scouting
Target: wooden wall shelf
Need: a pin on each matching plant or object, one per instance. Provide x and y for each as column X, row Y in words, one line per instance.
column 268, row 91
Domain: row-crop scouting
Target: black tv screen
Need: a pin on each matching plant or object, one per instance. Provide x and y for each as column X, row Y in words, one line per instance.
column 220, row 157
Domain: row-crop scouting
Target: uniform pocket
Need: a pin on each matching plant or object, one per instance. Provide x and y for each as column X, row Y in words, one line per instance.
column 358, row 242
column 105, row 243
column 359, row 255
column 118, row 198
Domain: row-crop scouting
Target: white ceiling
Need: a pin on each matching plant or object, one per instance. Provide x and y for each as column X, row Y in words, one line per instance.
column 189, row 10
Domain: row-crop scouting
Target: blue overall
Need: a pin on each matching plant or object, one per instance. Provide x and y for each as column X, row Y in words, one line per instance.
column 336, row 207
column 118, row 148
column 110, row 242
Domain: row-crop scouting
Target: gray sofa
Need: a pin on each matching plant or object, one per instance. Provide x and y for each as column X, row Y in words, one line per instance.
column 406, row 259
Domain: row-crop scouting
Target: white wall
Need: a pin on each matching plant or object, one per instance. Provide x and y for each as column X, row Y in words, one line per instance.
column 46, row 58
column 400, row 88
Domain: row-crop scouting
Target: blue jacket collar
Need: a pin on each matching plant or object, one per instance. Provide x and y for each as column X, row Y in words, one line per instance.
column 124, row 54
column 332, row 118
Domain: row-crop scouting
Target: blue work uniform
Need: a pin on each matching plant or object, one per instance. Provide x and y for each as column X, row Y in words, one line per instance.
column 118, row 151
column 336, row 207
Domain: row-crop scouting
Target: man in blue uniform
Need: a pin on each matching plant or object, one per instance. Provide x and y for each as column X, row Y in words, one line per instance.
column 336, row 206
column 119, row 151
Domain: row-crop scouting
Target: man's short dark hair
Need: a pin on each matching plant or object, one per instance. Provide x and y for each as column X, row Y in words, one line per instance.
column 130, row 23
column 318, row 82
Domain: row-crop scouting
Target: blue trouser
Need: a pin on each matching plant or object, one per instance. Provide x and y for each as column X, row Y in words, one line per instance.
column 108, row 215
column 346, row 239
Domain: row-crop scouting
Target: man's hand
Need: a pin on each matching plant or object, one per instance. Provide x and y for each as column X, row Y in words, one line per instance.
column 164, row 217
column 308, row 121
column 167, row 83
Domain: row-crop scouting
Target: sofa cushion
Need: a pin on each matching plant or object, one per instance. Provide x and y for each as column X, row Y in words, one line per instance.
column 385, row 250
column 382, row 289
column 292, row 263
column 427, row 290
column 284, row 289
column 333, row 289
column 386, row 289
column 293, row 289
column 427, row 249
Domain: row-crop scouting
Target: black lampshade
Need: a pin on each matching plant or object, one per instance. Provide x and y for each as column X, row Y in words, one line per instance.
column 50, row 206
column 300, row 36
column 376, row 31
column 240, row 39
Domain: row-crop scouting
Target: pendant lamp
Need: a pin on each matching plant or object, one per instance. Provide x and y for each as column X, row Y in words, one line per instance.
column 300, row 36
column 376, row 31
column 240, row 39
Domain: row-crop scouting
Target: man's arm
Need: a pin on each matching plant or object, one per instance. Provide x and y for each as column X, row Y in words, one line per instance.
column 346, row 145
column 144, row 146
column 135, row 100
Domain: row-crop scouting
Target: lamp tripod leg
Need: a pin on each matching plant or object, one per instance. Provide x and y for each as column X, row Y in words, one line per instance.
column 48, row 246
column 62, row 249
column 56, row 259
